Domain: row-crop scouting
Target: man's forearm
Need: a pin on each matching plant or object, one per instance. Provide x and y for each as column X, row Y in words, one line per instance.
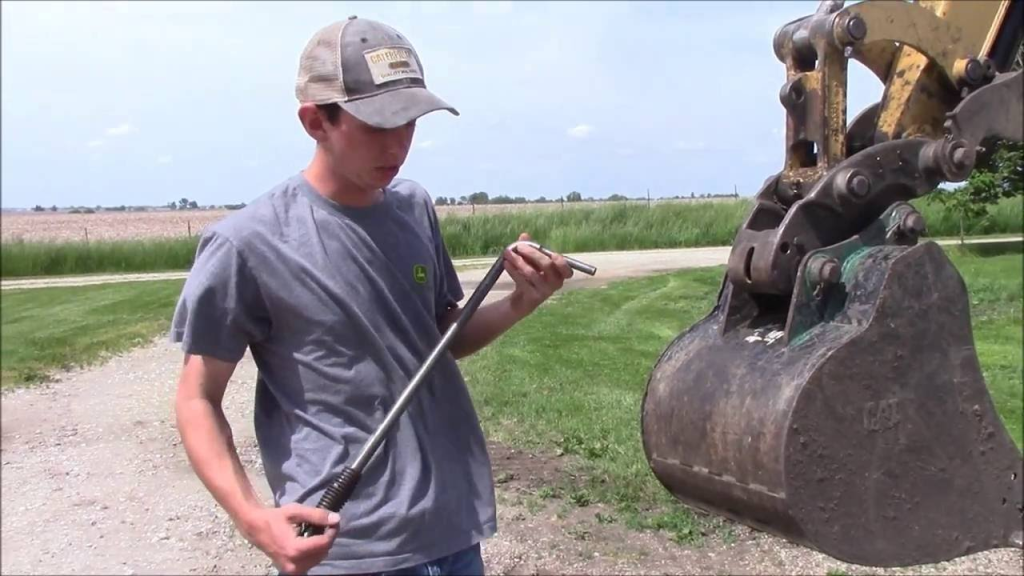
column 490, row 321
column 210, row 447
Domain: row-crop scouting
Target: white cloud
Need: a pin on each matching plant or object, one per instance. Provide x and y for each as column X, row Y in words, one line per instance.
column 426, row 144
column 121, row 130
column 581, row 131
column 164, row 159
column 95, row 143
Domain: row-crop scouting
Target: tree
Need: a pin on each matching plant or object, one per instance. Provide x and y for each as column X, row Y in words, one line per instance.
column 183, row 203
column 998, row 174
column 38, row 208
column 53, row 208
column 440, row 201
column 193, row 204
column 574, row 196
column 479, row 198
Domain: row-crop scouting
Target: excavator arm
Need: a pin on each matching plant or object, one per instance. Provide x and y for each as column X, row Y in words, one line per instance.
column 833, row 396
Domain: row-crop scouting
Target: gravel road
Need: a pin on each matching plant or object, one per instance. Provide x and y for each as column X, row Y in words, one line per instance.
column 94, row 481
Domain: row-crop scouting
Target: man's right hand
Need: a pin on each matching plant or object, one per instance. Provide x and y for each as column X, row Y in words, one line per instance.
column 275, row 532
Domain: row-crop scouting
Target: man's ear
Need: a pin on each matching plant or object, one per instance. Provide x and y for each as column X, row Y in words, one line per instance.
column 313, row 121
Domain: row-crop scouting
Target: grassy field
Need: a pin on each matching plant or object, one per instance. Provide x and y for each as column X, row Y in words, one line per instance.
column 572, row 229
column 572, row 377
column 48, row 329
column 24, row 259
column 568, row 379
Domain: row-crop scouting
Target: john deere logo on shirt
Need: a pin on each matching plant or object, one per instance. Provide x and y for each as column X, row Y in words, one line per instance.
column 419, row 274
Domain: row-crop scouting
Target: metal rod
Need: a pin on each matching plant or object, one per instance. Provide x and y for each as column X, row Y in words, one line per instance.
column 468, row 310
column 341, row 488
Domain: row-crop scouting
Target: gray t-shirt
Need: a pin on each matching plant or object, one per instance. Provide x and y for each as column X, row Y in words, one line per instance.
column 339, row 307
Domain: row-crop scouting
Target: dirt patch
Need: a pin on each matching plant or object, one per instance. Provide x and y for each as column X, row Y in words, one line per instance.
column 545, row 531
column 517, row 470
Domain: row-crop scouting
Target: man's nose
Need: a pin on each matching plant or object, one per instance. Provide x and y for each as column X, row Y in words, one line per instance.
column 397, row 140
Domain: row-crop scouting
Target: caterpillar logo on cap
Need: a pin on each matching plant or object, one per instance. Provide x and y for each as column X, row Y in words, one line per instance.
column 392, row 63
column 419, row 273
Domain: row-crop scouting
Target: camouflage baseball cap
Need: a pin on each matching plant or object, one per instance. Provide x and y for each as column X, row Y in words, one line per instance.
column 369, row 69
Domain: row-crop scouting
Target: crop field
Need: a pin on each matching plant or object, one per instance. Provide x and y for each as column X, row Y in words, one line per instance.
column 163, row 223
column 105, row 226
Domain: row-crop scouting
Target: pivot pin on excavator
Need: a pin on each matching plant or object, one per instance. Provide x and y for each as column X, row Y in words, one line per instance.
column 833, row 396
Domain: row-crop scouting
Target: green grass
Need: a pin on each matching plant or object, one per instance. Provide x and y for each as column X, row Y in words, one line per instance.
column 571, row 230
column 586, row 229
column 23, row 259
column 49, row 329
column 997, row 316
column 570, row 379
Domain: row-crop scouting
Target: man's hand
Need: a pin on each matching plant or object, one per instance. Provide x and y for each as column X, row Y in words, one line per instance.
column 275, row 532
column 537, row 277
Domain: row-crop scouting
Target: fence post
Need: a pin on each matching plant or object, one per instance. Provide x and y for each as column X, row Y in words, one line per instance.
column 189, row 228
column 86, row 234
column 648, row 197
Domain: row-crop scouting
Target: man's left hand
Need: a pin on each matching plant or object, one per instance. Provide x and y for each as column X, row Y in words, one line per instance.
column 536, row 275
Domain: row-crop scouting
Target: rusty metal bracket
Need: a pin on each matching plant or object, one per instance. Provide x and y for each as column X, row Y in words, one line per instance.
column 766, row 259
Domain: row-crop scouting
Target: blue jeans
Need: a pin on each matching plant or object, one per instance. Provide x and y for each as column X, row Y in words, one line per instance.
column 465, row 562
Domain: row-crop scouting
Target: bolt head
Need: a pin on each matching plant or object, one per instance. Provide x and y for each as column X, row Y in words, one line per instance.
column 975, row 71
column 830, row 272
column 962, row 155
column 913, row 224
column 856, row 29
column 860, row 185
column 824, row 270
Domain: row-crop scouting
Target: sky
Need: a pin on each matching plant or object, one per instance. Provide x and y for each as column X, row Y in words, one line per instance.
column 139, row 103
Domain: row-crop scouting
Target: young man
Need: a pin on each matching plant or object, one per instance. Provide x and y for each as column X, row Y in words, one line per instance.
column 339, row 283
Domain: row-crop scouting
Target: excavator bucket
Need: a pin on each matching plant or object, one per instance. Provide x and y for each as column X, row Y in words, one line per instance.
column 833, row 396
column 857, row 422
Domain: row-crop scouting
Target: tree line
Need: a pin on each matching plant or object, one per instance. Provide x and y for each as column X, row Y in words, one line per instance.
column 478, row 198
column 182, row 204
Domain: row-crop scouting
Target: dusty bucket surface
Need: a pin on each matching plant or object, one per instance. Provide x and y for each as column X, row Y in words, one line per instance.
column 856, row 422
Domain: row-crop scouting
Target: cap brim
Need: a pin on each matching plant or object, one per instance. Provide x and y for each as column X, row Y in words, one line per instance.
column 397, row 107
